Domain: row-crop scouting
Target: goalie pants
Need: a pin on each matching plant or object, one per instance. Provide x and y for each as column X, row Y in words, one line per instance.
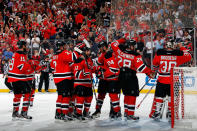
column 21, row 88
column 83, row 98
column 64, row 90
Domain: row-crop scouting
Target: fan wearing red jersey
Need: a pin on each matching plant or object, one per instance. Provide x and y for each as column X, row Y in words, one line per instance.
column 62, row 75
column 82, row 69
column 18, row 75
column 164, row 60
column 130, row 63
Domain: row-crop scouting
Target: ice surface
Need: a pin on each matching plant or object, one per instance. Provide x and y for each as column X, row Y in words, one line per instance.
column 44, row 109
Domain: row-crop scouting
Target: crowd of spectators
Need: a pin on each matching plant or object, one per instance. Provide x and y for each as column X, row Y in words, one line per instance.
column 42, row 22
column 152, row 22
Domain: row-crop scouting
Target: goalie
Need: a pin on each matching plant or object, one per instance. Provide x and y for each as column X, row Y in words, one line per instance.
column 164, row 60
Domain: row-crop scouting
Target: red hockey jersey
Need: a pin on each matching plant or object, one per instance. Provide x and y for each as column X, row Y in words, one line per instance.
column 18, row 67
column 111, row 68
column 61, row 65
column 165, row 60
column 129, row 59
column 83, row 70
column 33, row 68
column 100, row 67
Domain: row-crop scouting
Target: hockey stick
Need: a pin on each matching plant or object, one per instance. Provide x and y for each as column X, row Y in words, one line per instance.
column 91, row 80
column 145, row 97
column 144, row 85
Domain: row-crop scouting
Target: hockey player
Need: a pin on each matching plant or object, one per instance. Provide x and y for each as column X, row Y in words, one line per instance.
column 82, row 69
column 62, row 75
column 111, row 73
column 103, row 83
column 130, row 63
column 35, row 67
column 164, row 60
column 18, row 69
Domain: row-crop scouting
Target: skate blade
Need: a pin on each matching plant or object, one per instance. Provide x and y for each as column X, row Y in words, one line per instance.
column 25, row 119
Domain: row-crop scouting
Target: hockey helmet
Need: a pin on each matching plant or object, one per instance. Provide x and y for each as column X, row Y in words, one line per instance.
column 21, row 43
column 130, row 43
column 102, row 44
column 59, row 44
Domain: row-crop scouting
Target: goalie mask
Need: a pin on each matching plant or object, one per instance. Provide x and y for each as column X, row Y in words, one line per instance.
column 170, row 44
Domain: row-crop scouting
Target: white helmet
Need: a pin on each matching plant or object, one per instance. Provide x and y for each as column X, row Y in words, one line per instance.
column 170, row 44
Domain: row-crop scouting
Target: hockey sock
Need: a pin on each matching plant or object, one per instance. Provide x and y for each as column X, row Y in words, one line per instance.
column 153, row 108
column 131, row 104
column 72, row 104
column 87, row 103
column 16, row 101
column 59, row 104
column 65, row 105
column 115, row 101
column 159, row 104
column 26, row 102
column 79, row 104
column 32, row 96
column 125, row 105
column 101, row 97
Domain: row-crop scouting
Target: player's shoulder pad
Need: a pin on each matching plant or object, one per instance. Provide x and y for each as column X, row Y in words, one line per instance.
column 78, row 60
column 108, row 54
column 165, row 52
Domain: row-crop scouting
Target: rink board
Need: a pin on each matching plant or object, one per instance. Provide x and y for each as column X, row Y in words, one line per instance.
column 142, row 80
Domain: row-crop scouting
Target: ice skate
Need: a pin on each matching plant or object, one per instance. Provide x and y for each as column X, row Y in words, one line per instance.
column 96, row 114
column 25, row 116
column 66, row 118
column 87, row 115
column 116, row 116
column 132, row 117
column 15, row 115
column 156, row 116
column 79, row 117
column 57, row 115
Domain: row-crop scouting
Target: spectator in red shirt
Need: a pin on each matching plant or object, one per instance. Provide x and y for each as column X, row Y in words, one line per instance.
column 79, row 19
